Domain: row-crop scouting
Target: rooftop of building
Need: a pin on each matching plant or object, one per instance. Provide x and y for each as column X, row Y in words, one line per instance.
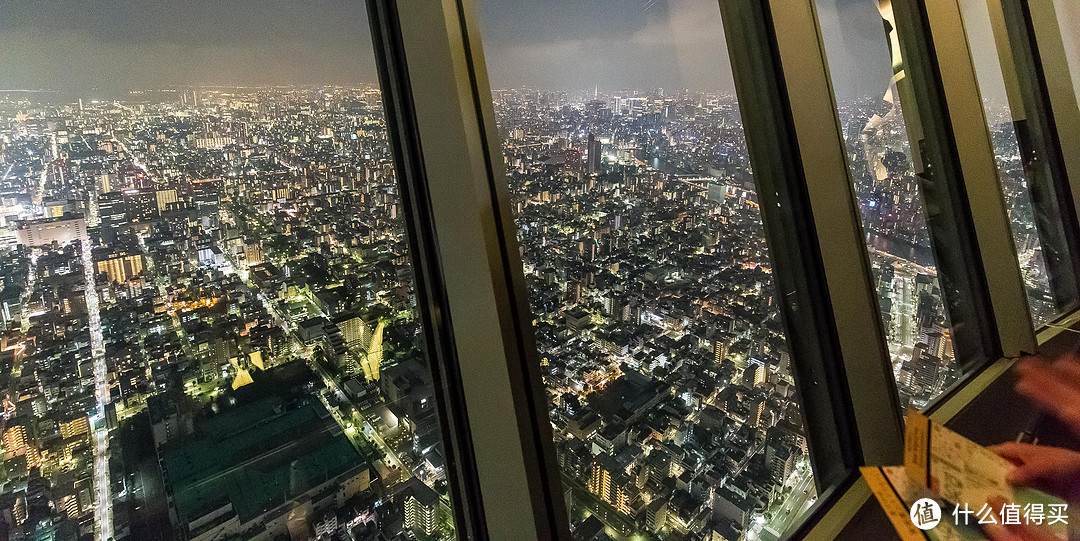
column 258, row 456
column 423, row 493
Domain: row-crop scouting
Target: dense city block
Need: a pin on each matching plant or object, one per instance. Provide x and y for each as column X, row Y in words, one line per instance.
column 210, row 329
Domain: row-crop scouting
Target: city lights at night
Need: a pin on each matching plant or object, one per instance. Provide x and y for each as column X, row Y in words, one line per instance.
column 213, row 325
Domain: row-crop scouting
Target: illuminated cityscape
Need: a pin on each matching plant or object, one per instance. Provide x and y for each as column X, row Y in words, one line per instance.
column 664, row 355
column 210, row 329
column 209, row 322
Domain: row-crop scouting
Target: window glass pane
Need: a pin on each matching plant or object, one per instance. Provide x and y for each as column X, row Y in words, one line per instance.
column 210, row 329
column 1011, row 168
column 664, row 355
column 865, row 66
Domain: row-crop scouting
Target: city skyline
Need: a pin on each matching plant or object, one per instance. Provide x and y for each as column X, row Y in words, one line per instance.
column 209, row 325
column 236, row 255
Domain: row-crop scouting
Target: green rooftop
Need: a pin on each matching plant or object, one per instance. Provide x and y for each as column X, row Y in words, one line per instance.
column 251, row 455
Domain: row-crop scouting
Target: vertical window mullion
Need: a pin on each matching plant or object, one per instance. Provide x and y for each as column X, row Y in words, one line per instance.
column 1041, row 156
column 467, row 261
column 1036, row 43
column 968, row 222
column 430, row 291
column 812, row 227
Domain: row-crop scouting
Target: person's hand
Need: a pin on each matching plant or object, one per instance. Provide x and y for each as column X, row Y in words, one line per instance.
column 1054, row 387
column 1049, row 469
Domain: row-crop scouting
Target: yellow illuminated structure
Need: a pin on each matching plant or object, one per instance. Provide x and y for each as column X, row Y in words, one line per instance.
column 75, row 426
column 16, row 441
column 174, row 307
column 243, row 377
column 121, row 267
column 371, row 359
column 257, row 360
column 605, row 482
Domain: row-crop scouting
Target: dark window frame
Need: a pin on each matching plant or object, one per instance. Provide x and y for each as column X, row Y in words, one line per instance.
column 462, row 83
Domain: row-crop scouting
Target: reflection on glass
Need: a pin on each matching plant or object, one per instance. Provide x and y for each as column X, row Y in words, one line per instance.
column 1014, row 180
column 867, row 76
column 208, row 310
column 664, row 357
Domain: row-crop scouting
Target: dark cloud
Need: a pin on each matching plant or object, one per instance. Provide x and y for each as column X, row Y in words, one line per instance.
column 122, row 44
column 558, row 44
column 616, row 44
column 672, row 44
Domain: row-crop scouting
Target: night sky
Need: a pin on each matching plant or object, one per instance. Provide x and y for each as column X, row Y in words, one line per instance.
column 646, row 44
column 105, row 46
column 125, row 44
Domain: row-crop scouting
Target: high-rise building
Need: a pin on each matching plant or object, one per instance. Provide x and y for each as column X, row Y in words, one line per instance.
column 355, row 331
column 593, row 155
column 120, row 267
column 609, row 483
column 421, row 507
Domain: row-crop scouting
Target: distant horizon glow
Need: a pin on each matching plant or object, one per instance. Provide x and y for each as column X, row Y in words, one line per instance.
column 112, row 47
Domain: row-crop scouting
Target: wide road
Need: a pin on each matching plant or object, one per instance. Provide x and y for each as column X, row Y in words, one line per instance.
column 801, row 497
column 368, row 429
column 102, row 497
